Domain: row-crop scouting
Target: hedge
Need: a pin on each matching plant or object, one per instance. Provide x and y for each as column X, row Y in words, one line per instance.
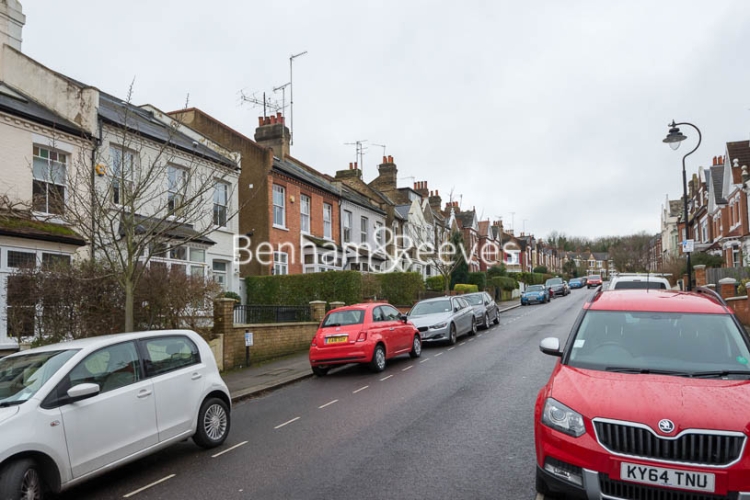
column 532, row 278
column 350, row 287
column 465, row 288
column 435, row 283
column 504, row 283
column 479, row 279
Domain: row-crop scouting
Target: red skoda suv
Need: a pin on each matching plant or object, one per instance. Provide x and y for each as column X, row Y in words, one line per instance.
column 650, row 400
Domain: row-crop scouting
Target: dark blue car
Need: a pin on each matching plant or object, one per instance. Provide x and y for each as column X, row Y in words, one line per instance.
column 576, row 283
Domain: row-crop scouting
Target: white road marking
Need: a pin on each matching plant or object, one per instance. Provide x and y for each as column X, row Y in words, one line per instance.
column 287, row 423
column 132, row 493
column 408, row 368
column 425, row 360
column 479, row 335
column 462, row 343
column 229, row 449
column 438, row 354
column 451, row 348
column 360, row 389
column 328, row 404
column 386, row 378
column 471, row 340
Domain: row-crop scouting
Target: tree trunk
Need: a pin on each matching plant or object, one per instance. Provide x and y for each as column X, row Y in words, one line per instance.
column 129, row 301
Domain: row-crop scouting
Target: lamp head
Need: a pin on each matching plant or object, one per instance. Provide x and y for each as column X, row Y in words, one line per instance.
column 674, row 137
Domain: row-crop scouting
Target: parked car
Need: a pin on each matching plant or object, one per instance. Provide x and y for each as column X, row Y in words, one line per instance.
column 485, row 308
column 74, row 410
column 576, row 283
column 443, row 319
column 584, row 280
column 639, row 281
column 556, row 287
column 593, row 280
column 535, row 294
column 363, row 333
column 647, row 400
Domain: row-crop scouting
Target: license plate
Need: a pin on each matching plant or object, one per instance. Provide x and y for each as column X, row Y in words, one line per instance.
column 337, row 340
column 659, row 476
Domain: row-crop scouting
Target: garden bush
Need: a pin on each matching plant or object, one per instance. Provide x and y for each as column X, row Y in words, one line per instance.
column 465, row 288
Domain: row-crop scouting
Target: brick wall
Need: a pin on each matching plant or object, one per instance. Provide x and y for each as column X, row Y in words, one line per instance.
column 269, row 341
column 741, row 307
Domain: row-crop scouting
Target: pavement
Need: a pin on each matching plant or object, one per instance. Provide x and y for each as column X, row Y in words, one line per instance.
column 258, row 379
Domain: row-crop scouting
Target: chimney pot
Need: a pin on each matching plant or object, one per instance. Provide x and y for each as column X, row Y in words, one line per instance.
column 281, row 120
column 385, row 159
column 273, row 120
column 260, row 121
column 278, row 115
column 390, row 159
column 266, row 120
column 355, row 166
column 436, row 193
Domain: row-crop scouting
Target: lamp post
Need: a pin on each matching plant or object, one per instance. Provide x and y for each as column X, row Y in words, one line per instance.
column 674, row 138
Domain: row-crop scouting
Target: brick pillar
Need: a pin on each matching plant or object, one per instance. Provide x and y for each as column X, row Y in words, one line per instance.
column 727, row 287
column 336, row 304
column 700, row 274
column 317, row 310
column 224, row 324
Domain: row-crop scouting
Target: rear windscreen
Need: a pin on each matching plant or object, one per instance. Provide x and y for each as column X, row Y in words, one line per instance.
column 639, row 285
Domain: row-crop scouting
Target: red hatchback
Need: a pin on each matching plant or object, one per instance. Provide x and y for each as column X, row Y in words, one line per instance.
column 363, row 333
column 594, row 280
column 650, row 400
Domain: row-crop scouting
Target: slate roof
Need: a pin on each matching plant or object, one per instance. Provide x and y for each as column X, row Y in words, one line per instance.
column 717, row 179
column 403, row 211
column 123, row 114
column 16, row 103
column 349, row 194
column 304, row 175
column 172, row 230
column 465, row 218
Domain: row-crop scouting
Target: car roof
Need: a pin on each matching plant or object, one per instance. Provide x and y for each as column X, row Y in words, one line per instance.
column 366, row 305
column 105, row 340
column 433, row 299
column 655, row 301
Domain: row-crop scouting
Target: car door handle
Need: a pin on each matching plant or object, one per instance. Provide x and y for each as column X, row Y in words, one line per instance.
column 391, row 328
column 196, row 376
column 144, row 393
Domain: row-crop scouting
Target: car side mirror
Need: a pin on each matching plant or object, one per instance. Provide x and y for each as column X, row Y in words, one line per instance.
column 551, row 346
column 82, row 391
column 403, row 317
column 456, row 309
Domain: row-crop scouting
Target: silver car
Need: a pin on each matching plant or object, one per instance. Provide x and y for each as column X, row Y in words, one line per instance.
column 443, row 319
column 485, row 309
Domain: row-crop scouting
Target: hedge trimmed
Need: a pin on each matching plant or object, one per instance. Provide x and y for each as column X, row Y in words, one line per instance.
column 465, row 288
column 532, row 278
column 400, row 289
column 436, row 283
column 479, row 279
column 504, row 283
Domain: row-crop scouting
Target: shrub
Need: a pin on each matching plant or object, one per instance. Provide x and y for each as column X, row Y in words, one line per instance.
column 496, row 270
column 479, row 279
column 435, row 283
column 465, row 288
column 504, row 283
column 540, row 269
column 231, row 295
column 401, row 289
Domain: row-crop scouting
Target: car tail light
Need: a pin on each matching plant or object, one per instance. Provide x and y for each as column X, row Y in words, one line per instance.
column 362, row 336
column 313, row 344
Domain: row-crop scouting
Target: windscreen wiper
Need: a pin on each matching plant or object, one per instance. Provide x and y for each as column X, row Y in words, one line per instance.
column 6, row 404
column 720, row 373
column 651, row 371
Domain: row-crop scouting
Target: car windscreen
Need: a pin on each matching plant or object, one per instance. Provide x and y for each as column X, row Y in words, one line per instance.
column 554, row 281
column 535, row 288
column 431, row 307
column 343, row 318
column 21, row 376
column 474, row 300
column 686, row 344
column 639, row 285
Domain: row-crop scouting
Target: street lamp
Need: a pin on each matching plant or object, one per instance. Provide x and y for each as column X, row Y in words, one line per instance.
column 674, row 138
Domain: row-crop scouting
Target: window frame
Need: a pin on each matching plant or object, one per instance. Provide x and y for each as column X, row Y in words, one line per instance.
column 50, row 176
column 279, row 209
column 364, row 229
column 280, row 265
column 327, row 221
column 116, row 154
column 305, row 202
column 347, row 225
column 221, row 209
column 147, row 363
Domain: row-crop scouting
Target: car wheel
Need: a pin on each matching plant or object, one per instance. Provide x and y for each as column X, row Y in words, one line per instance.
column 473, row 330
column 21, row 480
column 213, row 423
column 486, row 321
column 497, row 318
column 453, row 337
column 319, row 371
column 523, row 303
column 416, row 347
column 377, row 364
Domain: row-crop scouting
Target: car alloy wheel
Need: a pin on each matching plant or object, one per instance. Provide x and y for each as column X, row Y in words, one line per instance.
column 20, row 480
column 453, row 337
column 497, row 317
column 473, row 326
column 31, row 487
column 213, row 423
column 486, row 320
column 378, row 359
column 416, row 347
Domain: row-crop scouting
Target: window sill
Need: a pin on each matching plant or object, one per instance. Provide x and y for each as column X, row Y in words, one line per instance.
column 282, row 228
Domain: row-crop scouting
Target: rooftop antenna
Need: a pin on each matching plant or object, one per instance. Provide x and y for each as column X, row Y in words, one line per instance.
column 360, row 152
column 513, row 221
column 291, row 95
column 282, row 88
column 380, row 146
column 266, row 103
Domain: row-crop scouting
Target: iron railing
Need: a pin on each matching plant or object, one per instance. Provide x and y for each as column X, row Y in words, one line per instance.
column 244, row 314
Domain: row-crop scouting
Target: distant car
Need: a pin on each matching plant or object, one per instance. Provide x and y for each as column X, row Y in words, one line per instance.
column 594, row 280
column 443, row 319
column 584, row 280
column 75, row 410
column 363, row 333
column 557, row 287
column 576, row 283
column 485, row 308
column 639, row 281
column 535, row 294
column 685, row 438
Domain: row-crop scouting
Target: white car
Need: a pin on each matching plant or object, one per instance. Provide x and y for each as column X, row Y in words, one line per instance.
column 74, row 410
column 639, row 281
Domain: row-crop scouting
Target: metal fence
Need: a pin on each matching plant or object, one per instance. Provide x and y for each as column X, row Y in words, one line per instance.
column 244, row 315
column 714, row 274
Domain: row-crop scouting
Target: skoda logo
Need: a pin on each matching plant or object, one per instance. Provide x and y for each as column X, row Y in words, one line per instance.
column 666, row 426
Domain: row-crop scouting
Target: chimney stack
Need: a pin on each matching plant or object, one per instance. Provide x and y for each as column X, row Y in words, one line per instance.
column 12, row 21
column 273, row 133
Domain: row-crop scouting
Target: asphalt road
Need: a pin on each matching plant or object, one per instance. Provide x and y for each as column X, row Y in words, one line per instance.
column 456, row 423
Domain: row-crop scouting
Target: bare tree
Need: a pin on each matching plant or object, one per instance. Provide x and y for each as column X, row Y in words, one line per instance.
column 146, row 191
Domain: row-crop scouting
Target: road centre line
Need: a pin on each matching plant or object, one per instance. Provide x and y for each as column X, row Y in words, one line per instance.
column 360, row 389
column 385, row 378
column 451, row 348
column 425, row 360
column 438, row 354
column 287, row 423
column 229, row 449
column 132, row 493
column 471, row 340
column 328, row 404
column 408, row 368
column 462, row 343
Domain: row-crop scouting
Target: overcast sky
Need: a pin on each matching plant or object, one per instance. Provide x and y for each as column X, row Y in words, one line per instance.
column 549, row 114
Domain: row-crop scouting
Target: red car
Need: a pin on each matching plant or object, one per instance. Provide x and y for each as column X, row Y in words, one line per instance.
column 594, row 280
column 363, row 333
column 650, row 400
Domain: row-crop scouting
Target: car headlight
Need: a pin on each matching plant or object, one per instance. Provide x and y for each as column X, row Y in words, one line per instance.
column 561, row 418
column 439, row 326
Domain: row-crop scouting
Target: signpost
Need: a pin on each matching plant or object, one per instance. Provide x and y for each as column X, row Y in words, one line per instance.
column 688, row 246
column 248, row 344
